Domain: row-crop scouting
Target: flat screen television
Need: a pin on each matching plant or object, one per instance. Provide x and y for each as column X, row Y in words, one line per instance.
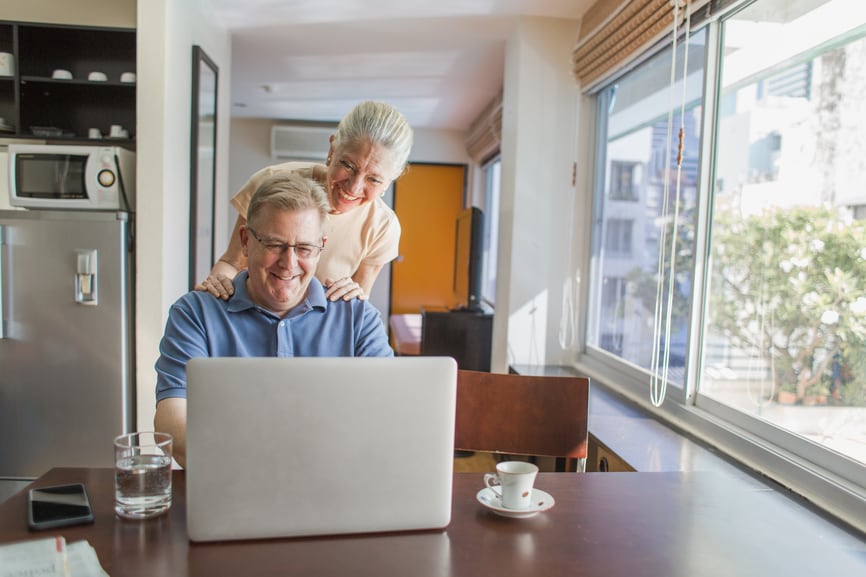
column 468, row 259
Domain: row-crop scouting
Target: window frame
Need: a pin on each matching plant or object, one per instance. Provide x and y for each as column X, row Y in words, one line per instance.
column 832, row 481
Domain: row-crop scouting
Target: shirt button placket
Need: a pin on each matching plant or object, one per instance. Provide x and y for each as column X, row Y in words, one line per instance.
column 285, row 344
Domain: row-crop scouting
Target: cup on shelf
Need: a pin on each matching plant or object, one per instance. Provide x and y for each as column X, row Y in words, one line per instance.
column 94, row 133
column 116, row 131
column 96, row 76
column 61, row 74
column 127, row 77
column 7, row 64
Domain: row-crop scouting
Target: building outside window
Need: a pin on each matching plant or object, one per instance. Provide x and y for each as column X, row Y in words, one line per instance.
column 625, row 179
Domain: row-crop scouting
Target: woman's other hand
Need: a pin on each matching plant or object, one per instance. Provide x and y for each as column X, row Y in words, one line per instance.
column 344, row 288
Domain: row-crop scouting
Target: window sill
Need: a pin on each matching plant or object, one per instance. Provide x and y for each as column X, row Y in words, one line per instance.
column 684, row 439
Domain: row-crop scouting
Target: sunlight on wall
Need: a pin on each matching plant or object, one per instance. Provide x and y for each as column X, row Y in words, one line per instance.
column 527, row 332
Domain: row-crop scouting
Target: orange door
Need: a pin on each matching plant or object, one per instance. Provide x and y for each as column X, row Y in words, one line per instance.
column 427, row 199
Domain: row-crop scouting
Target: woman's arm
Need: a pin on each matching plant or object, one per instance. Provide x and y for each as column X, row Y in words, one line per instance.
column 171, row 418
column 219, row 281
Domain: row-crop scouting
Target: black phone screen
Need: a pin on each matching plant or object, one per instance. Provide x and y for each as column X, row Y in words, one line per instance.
column 59, row 506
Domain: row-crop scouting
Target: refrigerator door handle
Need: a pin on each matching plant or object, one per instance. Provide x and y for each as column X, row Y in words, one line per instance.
column 2, row 282
column 85, row 277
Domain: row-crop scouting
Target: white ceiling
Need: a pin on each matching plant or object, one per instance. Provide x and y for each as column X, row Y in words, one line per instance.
column 438, row 61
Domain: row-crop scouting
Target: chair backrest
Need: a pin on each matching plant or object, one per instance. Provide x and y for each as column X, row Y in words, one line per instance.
column 522, row 414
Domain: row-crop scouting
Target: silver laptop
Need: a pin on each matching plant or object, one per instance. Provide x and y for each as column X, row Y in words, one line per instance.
column 286, row 447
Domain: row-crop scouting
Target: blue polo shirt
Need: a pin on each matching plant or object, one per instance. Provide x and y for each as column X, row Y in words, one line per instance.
column 201, row 325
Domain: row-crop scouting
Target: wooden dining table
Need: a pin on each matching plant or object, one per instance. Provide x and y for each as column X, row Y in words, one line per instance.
column 602, row 524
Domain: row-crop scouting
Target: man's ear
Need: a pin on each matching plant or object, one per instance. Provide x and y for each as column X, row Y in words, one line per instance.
column 324, row 240
column 245, row 239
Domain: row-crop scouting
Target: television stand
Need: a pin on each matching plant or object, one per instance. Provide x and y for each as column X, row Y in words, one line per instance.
column 464, row 334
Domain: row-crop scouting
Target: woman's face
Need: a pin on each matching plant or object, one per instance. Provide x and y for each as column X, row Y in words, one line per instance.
column 358, row 174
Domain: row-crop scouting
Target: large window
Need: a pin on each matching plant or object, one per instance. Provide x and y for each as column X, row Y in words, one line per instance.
column 785, row 332
column 754, row 245
column 638, row 174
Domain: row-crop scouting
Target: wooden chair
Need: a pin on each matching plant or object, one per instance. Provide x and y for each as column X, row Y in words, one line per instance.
column 523, row 415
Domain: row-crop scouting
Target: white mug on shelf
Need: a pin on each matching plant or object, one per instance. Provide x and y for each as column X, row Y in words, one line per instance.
column 7, row 64
column 116, row 131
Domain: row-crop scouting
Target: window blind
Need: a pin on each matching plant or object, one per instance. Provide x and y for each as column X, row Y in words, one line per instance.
column 485, row 133
column 615, row 32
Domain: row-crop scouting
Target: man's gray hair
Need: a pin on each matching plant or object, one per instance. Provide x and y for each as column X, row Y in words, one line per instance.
column 287, row 190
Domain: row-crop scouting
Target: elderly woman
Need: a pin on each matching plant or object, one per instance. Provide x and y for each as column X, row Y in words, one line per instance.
column 368, row 151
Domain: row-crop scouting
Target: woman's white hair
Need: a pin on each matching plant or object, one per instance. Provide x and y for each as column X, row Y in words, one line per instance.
column 381, row 124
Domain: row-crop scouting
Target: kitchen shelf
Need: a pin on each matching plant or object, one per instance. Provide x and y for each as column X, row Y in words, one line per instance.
column 32, row 98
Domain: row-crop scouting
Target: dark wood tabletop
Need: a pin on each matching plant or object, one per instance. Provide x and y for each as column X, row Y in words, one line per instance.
column 611, row 524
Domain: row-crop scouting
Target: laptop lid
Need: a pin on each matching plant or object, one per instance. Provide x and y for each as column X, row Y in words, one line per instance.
column 284, row 447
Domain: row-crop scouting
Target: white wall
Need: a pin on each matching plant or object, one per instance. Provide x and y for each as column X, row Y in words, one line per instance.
column 537, row 256
column 167, row 30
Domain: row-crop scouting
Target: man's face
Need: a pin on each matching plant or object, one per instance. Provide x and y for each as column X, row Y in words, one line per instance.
column 280, row 275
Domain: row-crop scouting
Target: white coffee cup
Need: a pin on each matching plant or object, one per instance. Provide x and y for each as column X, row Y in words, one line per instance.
column 514, row 480
column 96, row 76
column 61, row 74
column 7, row 64
column 127, row 77
column 115, row 131
column 94, row 133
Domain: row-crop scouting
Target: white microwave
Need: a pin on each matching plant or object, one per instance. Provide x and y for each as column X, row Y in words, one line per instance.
column 50, row 176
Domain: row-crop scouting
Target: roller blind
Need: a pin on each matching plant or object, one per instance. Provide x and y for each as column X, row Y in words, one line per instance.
column 615, row 32
column 485, row 133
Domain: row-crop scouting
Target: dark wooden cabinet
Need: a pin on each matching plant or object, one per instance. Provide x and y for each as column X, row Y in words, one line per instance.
column 34, row 104
column 466, row 336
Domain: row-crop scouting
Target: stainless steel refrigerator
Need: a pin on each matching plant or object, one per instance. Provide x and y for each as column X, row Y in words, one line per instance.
column 66, row 338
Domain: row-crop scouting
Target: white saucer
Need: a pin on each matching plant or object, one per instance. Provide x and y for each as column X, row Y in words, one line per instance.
column 541, row 501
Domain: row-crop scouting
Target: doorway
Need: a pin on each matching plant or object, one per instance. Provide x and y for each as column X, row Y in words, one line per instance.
column 427, row 200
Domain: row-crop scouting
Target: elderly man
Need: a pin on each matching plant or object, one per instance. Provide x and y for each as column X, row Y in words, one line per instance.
column 278, row 308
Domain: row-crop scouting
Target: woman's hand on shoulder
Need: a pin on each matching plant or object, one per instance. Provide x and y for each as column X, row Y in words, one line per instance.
column 219, row 281
column 345, row 289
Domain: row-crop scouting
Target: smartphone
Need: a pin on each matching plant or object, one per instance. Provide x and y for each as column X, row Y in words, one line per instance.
column 58, row 506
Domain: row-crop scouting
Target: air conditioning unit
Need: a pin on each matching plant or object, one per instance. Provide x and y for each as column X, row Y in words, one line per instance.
column 290, row 142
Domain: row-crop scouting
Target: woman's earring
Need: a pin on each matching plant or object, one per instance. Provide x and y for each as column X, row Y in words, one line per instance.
column 328, row 162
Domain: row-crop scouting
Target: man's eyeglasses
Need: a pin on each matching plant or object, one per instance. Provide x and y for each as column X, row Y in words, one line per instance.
column 302, row 251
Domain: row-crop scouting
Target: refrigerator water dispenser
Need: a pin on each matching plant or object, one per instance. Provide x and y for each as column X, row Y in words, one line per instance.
column 85, row 279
